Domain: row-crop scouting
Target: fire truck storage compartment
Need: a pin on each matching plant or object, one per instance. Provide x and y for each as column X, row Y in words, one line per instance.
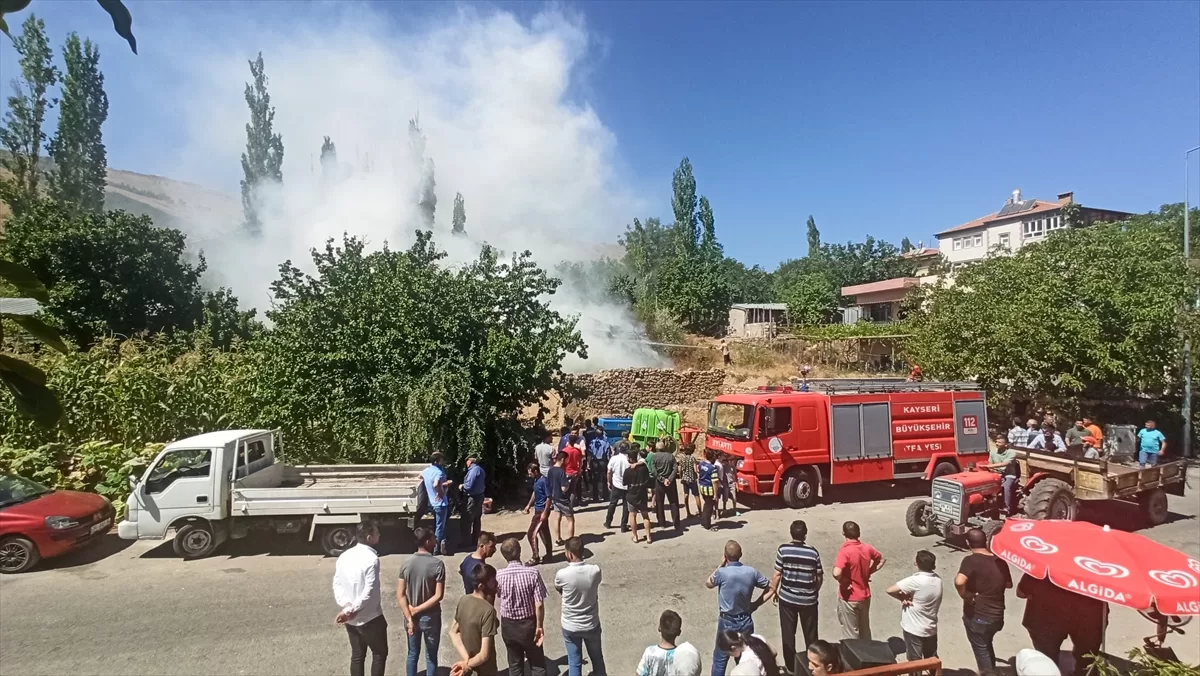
column 971, row 430
column 861, row 431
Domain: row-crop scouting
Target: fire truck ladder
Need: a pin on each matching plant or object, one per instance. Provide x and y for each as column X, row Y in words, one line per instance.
column 872, row 385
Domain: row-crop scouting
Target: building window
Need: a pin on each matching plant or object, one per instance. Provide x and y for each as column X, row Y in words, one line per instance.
column 1003, row 240
column 958, row 243
column 978, row 240
column 1032, row 229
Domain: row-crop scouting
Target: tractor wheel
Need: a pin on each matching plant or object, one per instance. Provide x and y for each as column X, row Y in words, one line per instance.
column 944, row 468
column 1154, row 506
column 1051, row 499
column 917, row 518
column 990, row 529
column 800, row 488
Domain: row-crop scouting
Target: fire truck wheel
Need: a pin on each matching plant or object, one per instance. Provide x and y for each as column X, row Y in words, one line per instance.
column 800, row 488
column 917, row 518
column 944, row 468
column 1051, row 499
column 1154, row 506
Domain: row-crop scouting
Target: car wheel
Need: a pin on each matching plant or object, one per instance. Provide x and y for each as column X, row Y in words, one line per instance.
column 337, row 539
column 17, row 555
column 800, row 489
column 194, row 541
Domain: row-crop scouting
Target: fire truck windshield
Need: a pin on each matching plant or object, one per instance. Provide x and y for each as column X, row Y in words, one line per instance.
column 732, row 421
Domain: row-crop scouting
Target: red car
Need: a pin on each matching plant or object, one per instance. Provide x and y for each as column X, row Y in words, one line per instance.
column 39, row 523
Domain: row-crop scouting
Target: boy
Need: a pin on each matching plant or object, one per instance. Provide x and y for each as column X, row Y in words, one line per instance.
column 558, row 485
column 473, row 631
column 539, row 526
column 668, row 658
column 687, row 474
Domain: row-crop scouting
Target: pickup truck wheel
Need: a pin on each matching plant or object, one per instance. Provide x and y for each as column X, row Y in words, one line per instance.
column 944, row 468
column 917, row 518
column 800, row 489
column 1051, row 499
column 194, row 541
column 1154, row 506
column 337, row 539
column 17, row 555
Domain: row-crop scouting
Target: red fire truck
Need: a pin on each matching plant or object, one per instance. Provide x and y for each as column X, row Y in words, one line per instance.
column 791, row 443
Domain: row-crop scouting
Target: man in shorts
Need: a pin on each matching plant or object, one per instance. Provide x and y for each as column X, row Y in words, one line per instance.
column 558, row 485
column 539, row 505
column 637, row 485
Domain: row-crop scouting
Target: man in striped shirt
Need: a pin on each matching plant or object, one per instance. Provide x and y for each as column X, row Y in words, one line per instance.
column 795, row 585
column 520, row 595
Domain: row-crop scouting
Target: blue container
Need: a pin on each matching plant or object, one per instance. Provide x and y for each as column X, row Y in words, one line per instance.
column 614, row 427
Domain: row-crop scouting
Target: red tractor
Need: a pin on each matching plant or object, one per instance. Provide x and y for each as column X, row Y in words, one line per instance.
column 1051, row 486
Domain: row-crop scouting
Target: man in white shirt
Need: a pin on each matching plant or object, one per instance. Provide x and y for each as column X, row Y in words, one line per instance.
column 356, row 591
column 617, row 464
column 544, row 452
column 920, row 597
column 579, row 584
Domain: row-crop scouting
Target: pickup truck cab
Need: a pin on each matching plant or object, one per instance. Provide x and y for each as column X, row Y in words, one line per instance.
column 221, row 485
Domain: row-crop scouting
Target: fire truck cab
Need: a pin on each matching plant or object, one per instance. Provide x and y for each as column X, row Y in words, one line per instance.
column 793, row 443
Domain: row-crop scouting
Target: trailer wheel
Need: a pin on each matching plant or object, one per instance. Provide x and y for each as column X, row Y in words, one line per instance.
column 337, row 539
column 800, row 488
column 1154, row 506
column 1051, row 499
column 944, row 468
column 917, row 518
column 194, row 541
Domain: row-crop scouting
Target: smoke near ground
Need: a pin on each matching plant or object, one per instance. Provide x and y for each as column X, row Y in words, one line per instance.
column 494, row 96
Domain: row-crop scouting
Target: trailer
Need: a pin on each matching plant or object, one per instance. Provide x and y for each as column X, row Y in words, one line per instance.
column 1055, row 484
column 227, row 485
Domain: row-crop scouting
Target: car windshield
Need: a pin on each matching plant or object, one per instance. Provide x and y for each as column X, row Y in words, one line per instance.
column 15, row 490
column 732, row 421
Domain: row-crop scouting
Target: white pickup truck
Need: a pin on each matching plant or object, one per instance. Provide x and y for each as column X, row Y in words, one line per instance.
column 221, row 485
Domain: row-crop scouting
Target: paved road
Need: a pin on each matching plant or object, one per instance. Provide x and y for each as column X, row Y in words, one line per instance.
column 265, row 607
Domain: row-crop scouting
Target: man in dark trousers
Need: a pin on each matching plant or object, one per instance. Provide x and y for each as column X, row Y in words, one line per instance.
column 663, row 468
column 981, row 582
column 796, row 586
column 1053, row 614
column 473, row 486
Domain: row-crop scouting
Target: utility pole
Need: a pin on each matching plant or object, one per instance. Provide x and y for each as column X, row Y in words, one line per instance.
column 1187, row 339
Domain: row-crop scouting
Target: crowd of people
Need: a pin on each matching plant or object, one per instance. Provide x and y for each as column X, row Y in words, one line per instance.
column 509, row 602
column 1082, row 439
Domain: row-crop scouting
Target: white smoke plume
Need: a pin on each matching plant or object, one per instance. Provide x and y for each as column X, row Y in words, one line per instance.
column 536, row 167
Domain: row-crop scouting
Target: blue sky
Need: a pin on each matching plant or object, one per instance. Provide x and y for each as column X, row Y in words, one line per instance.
column 891, row 119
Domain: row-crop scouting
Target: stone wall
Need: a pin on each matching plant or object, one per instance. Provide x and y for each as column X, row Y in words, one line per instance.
column 620, row 391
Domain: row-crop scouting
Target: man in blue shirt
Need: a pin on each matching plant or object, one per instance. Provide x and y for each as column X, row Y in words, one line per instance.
column 1151, row 444
column 1048, row 440
column 598, row 451
column 436, row 486
column 735, row 583
column 473, row 485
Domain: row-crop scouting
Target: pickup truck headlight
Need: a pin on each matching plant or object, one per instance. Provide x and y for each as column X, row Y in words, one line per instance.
column 61, row 522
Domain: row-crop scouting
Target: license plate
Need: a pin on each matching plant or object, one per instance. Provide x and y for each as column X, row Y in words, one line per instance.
column 103, row 525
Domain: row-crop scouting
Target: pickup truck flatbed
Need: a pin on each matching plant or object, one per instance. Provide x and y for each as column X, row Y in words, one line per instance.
column 221, row 485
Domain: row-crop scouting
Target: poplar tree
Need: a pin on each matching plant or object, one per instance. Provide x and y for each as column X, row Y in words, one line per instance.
column 22, row 134
column 263, row 160
column 458, row 224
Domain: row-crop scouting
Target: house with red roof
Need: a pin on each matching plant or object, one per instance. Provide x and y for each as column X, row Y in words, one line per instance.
column 1019, row 222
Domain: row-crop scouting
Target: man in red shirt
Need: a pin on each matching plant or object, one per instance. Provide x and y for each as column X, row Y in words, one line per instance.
column 856, row 563
column 573, row 465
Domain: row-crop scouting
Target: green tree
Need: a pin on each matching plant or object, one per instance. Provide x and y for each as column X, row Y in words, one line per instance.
column 116, row 273
column 81, row 165
column 710, row 248
column 906, row 245
column 22, row 134
column 426, row 197
column 683, row 204
column 26, row 382
column 814, row 238
column 383, row 356
column 749, row 285
column 262, row 162
column 1093, row 312
column 459, row 222
column 811, row 299
column 328, row 159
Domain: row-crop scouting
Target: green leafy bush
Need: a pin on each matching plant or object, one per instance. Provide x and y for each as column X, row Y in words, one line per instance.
column 94, row 466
